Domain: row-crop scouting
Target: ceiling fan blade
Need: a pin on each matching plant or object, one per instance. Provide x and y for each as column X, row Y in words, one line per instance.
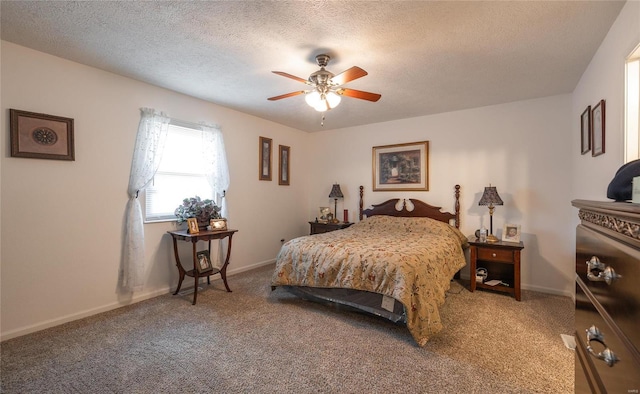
column 286, row 95
column 291, row 76
column 359, row 94
column 348, row 75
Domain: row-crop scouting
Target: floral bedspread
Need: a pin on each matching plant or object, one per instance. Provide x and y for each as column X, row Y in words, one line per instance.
column 409, row 259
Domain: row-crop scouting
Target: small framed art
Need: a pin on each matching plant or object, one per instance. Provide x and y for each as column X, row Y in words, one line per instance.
column 265, row 159
column 585, row 131
column 597, row 124
column 41, row 136
column 218, row 224
column 192, row 226
column 511, row 233
column 203, row 261
column 283, row 165
column 401, row 167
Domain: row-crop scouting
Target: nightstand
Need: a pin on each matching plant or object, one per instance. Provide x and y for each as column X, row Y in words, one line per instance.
column 319, row 228
column 502, row 262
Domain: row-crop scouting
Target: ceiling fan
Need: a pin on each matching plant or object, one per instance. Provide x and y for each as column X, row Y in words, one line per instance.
column 326, row 89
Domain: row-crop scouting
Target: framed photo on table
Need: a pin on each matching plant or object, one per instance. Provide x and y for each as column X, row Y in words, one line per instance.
column 41, row 136
column 203, row 261
column 511, row 233
column 401, row 167
column 585, row 131
column 218, row 224
column 192, row 226
column 597, row 123
column 324, row 214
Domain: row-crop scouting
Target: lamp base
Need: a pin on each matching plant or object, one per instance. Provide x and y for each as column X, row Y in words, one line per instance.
column 492, row 239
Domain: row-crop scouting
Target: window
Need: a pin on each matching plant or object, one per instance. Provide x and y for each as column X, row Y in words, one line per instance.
column 632, row 106
column 181, row 173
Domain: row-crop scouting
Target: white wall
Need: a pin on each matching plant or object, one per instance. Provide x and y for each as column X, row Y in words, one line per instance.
column 518, row 147
column 604, row 80
column 62, row 221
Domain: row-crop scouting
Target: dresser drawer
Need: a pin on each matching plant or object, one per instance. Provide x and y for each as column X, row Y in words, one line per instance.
column 620, row 298
column 624, row 375
column 495, row 254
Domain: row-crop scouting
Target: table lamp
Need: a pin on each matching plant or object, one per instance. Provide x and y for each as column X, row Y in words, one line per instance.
column 490, row 197
column 336, row 193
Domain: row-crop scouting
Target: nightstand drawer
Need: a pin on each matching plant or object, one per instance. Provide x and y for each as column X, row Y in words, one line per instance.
column 490, row 254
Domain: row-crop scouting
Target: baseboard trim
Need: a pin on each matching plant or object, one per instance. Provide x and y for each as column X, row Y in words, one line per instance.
column 115, row 305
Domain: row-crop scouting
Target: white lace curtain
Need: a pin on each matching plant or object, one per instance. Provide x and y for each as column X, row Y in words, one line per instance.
column 217, row 171
column 152, row 133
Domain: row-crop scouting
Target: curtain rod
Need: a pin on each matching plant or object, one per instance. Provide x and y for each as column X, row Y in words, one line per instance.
column 190, row 125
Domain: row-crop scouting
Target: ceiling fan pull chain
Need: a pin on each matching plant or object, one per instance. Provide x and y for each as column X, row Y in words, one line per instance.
column 322, row 121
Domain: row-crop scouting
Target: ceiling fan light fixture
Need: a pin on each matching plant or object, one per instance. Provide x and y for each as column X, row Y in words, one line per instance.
column 333, row 99
column 313, row 98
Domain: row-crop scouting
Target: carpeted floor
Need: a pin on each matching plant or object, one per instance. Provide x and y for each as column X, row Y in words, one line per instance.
column 254, row 340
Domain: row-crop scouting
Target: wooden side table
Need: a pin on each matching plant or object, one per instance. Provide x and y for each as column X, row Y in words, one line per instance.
column 319, row 228
column 502, row 261
column 183, row 235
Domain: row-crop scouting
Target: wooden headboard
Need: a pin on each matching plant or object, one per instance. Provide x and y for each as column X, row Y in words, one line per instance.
column 420, row 209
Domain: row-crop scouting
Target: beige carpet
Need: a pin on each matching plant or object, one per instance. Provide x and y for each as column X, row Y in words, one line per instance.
column 254, row 340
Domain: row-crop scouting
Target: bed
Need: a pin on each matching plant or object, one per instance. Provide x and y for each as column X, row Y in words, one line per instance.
column 397, row 262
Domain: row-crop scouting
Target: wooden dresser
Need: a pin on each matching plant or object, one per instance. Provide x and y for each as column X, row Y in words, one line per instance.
column 607, row 316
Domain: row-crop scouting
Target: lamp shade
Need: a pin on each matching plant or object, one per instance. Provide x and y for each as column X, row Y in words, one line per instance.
column 490, row 197
column 336, row 192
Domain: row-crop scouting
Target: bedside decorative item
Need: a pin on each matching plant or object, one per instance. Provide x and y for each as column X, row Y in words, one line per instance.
column 511, row 233
column 324, row 211
column 41, row 136
column 490, row 197
column 336, row 193
column 195, row 207
column 218, row 224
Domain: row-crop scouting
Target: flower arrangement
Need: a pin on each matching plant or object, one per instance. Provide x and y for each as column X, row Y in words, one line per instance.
column 195, row 207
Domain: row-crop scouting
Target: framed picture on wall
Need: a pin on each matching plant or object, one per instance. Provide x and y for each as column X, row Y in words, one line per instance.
column 284, row 162
column 41, row 136
column 597, row 123
column 265, row 159
column 585, row 130
column 401, row 167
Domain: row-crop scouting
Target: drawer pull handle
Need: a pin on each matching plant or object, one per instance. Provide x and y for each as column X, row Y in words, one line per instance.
column 606, row 274
column 595, row 264
column 493, row 254
column 607, row 355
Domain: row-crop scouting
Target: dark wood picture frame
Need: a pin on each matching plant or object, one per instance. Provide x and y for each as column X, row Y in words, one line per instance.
column 598, row 132
column 41, row 136
column 203, row 261
column 401, row 167
column 284, row 164
column 585, row 131
column 264, row 168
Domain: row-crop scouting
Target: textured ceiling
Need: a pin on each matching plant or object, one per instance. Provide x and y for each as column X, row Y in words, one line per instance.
column 423, row 57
